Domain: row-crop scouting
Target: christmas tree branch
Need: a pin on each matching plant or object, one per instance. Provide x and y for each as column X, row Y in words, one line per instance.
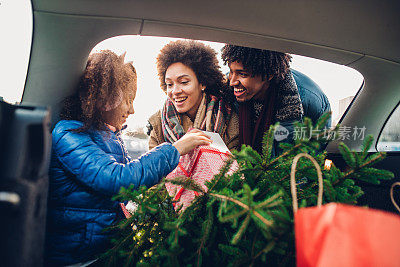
column 268, row 248
column 283, row 155
column 303, row 169
column 115, row 248
column 255, row 198
column 252, row 246
column 269, row 200
column 224, row 170
column 208, row 222
column 352, row 171
column 241, row 204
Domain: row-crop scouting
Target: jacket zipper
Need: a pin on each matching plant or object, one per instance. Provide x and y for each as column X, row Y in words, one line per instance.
column 122, row 147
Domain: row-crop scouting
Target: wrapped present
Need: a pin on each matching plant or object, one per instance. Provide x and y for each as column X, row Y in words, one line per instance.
column 201, row 165
column 128, row 209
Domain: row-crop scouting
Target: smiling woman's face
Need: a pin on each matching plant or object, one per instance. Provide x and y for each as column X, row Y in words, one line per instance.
column 183, row 89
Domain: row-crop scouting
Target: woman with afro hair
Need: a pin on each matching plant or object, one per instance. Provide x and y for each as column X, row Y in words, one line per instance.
column 90, row 164
column 190, row 76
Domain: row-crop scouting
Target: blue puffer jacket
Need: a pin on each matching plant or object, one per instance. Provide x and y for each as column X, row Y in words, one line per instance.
column 86, row 170
column 314, row 101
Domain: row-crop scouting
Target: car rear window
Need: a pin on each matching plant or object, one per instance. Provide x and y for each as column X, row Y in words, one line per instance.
column 16, row 38
column 338, row 82
column 389, row 140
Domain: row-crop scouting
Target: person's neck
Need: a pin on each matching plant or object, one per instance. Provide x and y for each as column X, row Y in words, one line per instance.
column 260, row 96
column 112, row 128
column 191, row 115
column 193, row 112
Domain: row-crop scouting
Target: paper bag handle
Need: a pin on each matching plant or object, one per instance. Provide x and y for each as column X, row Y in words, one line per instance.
column 391, row 195
column 293, row 180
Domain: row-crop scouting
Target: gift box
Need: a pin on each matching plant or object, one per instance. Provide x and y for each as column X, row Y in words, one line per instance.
column 201, row 165
column 128, row 209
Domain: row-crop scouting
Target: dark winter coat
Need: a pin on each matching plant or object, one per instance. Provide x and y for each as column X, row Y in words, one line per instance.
column 86, row 170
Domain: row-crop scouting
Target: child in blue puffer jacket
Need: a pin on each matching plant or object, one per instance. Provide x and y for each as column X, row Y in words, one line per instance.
column 89, row 162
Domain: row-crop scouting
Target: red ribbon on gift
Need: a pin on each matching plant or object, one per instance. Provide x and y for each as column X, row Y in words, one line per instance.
column 125, row 211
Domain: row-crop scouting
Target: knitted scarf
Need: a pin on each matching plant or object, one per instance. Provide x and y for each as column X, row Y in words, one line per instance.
column 281, row 103
column 213, row 115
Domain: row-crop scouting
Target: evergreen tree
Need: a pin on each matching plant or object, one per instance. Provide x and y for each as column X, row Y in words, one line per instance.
column 245, row 218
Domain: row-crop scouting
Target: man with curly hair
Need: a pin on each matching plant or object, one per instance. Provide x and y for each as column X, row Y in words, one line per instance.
column 190, row 76
column 268, row 91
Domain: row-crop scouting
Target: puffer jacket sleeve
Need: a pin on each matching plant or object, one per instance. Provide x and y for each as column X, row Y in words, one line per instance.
column 81, row 156
column 314, row 101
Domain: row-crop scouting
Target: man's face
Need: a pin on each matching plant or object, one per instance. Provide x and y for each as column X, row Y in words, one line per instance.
column 245, row 86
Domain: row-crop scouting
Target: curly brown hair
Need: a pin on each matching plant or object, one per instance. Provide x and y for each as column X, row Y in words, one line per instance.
column 104, row 78
column 201, row 58
column 257, row 61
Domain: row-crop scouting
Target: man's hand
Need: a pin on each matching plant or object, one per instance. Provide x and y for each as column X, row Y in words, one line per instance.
column 191, row 140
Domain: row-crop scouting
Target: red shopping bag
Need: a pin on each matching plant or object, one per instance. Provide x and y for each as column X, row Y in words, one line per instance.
column 344, row 235
column 201, row 165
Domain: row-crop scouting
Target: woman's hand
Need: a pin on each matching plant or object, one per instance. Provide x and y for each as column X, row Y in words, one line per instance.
column 191, row 140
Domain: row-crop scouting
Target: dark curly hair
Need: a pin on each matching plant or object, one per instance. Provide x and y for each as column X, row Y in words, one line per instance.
column 104, row 78
column 199, row 57
column 257, row 61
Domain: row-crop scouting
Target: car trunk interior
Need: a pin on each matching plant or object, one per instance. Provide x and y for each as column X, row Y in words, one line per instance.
column 364, row 35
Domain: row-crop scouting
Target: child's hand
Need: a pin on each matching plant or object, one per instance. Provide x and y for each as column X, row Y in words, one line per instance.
column 191, row 140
